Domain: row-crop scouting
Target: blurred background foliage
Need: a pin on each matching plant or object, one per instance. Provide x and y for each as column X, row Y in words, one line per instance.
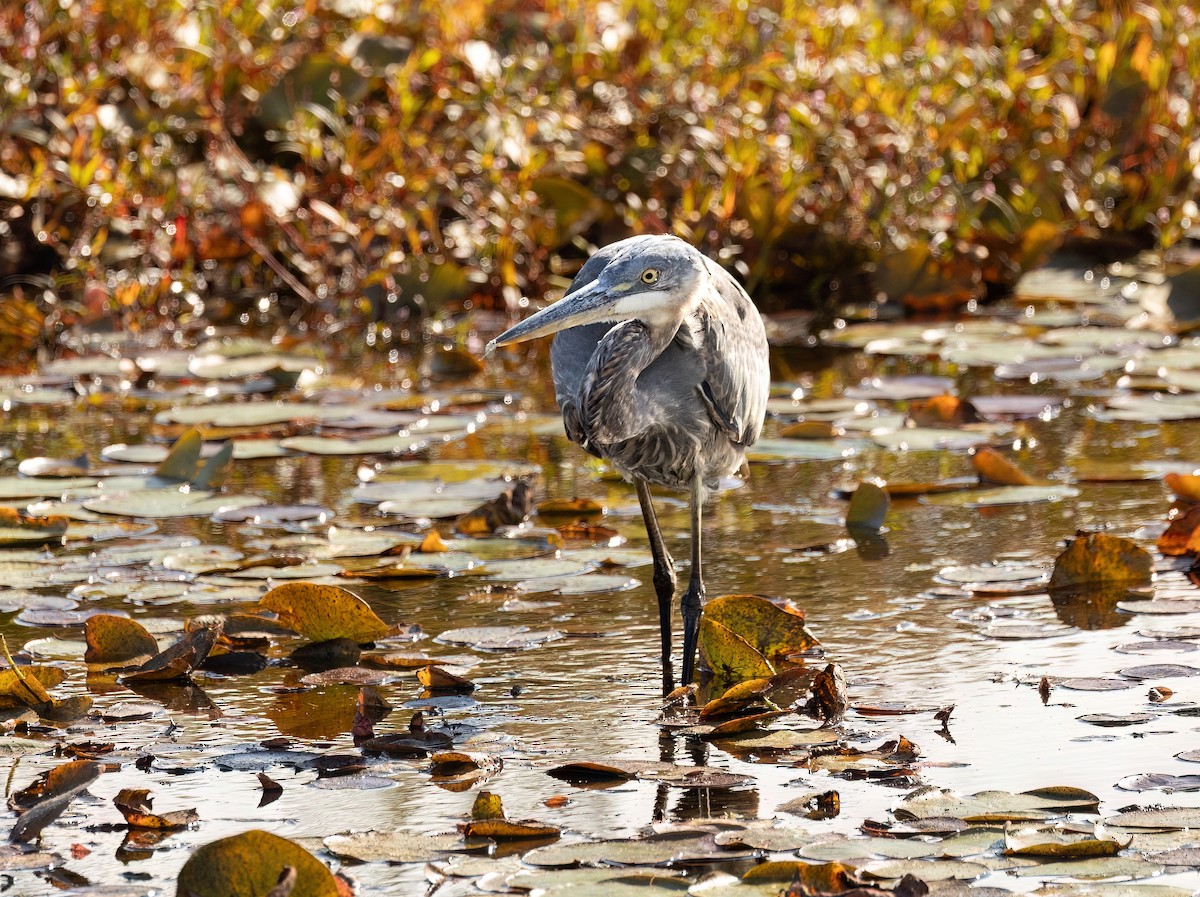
column 340, row 161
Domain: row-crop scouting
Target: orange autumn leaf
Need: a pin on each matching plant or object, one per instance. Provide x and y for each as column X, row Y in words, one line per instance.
column 943, row 410
column 1185, row 486
column 993, row 467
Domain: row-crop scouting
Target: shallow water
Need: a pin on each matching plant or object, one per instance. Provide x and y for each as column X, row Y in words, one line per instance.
column 875, row 615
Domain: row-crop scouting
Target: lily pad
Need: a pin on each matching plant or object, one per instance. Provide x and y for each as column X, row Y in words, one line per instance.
column 499, row 638
column 322, row 612
column 391, row 846
column 996, row 806
column 1006, row 495
column 252, row 863
column 658, row 850
column 161, row 503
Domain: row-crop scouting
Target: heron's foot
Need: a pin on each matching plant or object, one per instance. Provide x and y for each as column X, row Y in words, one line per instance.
column 691, row 605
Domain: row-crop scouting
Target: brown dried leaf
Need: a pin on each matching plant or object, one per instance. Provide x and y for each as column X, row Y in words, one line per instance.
column 488, row 821
column 22, row 529
column 135, row 806
column 941, row 411
column 993, row 467
column 179, row 660
column 829, row 700
column 433, row 543
column 571, row 506
column 1098, row 558
column 437, row 677
column 1177, row 539
column 509, row 509
column 112, row 639
column 1184, row 486
column 320, row 612
column 43, row 801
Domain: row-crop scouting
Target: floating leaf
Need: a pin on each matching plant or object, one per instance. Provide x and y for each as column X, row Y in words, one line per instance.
column 345, row 676
column 1158, row 819
column 995, row 806
column 1058, row 843
column 26, row 686
column 1180, row 536
column 179, row 660
column 916, row 439
column 924, row 870
column 942, row 410
column 438, row 677
column 111, row 639
column 321, row 612
column 168, row 503
column 391, row 846
column 1160, row 782
column 499, row 638
column 45, row 487
column 993, row 467
column 868, row 508
column 656, row 850
column 1007, row 495
column 1185, row 487
column 775, row 631
column 799, row 450
column 23, row 529
column 729, row 655
column 135, row 805
column 44, row 801
column 252, row 863
column 1159, row 671
column 1094, row 559
column 570, row 506
column 488, row 821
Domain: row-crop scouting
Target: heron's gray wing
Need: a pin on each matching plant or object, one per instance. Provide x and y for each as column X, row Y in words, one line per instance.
column 730, row 337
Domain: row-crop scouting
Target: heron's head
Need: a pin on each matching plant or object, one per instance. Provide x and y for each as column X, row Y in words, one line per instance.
column 652, row 278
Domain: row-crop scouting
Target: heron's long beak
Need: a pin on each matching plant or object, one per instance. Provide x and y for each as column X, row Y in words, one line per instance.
column 587, row 305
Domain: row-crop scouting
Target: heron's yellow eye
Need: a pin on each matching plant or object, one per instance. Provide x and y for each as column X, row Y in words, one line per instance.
column 650, row 275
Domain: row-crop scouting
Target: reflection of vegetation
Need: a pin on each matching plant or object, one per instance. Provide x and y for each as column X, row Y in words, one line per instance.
column 370, row 157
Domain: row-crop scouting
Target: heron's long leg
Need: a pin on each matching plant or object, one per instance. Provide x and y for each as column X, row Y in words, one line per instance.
column 664, row 579
column 693, row 598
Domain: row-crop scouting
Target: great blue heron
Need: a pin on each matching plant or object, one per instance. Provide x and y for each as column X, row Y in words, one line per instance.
column 660, row 368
